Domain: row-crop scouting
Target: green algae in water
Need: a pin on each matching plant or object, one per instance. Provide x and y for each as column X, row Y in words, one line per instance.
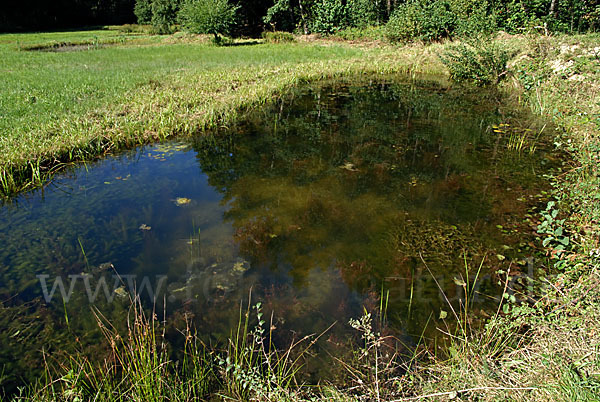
column 316, row 202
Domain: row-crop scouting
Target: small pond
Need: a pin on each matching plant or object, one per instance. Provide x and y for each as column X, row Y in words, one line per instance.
column 318, row 204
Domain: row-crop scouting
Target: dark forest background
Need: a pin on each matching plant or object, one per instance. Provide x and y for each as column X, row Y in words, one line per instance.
column 43, row 15
column 38, row 15
column 427, row 19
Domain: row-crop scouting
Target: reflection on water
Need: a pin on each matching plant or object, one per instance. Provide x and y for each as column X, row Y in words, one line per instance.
column 316, row 203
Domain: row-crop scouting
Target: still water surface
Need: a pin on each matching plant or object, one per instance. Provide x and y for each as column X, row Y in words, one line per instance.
column 318, row 203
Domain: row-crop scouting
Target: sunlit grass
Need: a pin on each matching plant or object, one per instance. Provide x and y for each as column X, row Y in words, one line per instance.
column 65, row 106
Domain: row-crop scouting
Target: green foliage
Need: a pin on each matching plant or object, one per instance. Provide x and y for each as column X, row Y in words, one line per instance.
column 164, row 13
column 515, row 16
column 479, row 62
column 143, row 11
column 573, row 16
column 216, row 17
column 372, row 365
column 554, row 232
column 362, row 13
column 323, row 16
column 278, row 37
column 329, row 16
column 252, row 368
column 140, row 368
column 369, row 33
column 434, row 20
column 420, row 20
column 472, row 18
column 281, row 16
column 592, row 17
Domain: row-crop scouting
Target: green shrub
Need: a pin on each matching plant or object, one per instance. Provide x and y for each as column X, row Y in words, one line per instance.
column 592, row 17
column 322, row 16
column 420, row 20
column 329, row 16
column 472, row 18
column 143, row 11
column 164, row 13
column 362, row 13
column 216, row 17
column 369, row 33
column 479, row 62
column 434, row 20
column 278, row 37
column 514, row 15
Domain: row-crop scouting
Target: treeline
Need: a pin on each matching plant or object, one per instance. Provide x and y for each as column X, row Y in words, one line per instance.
column 37, row 15
column 427, row 16
column 405, row 19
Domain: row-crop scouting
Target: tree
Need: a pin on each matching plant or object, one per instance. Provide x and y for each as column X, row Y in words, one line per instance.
column 164, row 14
column 363, row 13
column 281, row 16
column 329, row 16
column 288, row 15
column 216, row 17
column 552, row 8
column 143, row 11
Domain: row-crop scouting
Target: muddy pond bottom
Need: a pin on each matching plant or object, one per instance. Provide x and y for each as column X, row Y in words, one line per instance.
column 335, row 198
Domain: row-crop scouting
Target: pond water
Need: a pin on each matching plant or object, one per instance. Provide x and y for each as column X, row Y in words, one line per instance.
column 318, row 204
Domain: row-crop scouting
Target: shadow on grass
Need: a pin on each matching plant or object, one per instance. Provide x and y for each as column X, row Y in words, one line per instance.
column 225, row 43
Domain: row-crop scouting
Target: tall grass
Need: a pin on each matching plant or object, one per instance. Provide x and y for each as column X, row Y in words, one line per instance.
column 495, row 362
column 136, row 366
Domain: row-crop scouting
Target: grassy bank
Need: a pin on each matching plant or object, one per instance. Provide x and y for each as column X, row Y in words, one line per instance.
column 546, row 348
column 59, row 107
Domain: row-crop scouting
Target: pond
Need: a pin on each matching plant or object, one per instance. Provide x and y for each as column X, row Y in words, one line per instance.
column 339, row 196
